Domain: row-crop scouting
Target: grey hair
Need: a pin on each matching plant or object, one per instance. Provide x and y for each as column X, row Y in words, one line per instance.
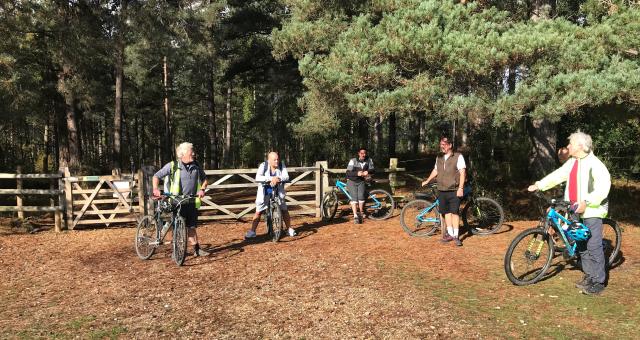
column 581, row 138
column 181, row 150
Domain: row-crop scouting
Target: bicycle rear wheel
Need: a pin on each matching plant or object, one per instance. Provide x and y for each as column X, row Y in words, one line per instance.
column 379, row 204
column 416, row 220
column 179, row 241
column 276, row 222
column 146, row 239
column 483, row 216
column 611, row 243
column 528, row 257
column 611, row 240
column 329, row 205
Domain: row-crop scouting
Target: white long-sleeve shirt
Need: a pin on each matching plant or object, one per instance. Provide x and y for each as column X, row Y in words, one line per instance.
column 263, row 175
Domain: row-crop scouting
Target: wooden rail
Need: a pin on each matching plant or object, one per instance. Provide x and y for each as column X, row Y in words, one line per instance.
column 109, row 199
column 55, row 182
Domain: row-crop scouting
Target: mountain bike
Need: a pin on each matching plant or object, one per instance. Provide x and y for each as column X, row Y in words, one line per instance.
column 273, row 216
column 152, row 229
column 480, row 215
column 530, row 253
column 378, row 205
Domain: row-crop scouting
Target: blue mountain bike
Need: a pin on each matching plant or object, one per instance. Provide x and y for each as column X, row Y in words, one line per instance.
column 379, row 204
column 480, row 215
column 531, row 252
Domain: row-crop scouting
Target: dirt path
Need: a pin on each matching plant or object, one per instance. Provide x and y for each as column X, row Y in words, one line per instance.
column 334, row 281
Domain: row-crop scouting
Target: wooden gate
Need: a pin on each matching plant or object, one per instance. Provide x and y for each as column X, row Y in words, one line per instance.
column 239, row 185
column 101, row 200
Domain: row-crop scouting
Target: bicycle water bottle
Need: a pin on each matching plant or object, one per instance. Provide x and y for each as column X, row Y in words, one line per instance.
column 165, row 228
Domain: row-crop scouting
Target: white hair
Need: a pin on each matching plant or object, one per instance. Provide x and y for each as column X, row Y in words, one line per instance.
column 583, row 139
column 182, row 149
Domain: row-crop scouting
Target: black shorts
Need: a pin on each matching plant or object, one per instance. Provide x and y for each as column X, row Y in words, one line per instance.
column 449, row 202
column 190, row 214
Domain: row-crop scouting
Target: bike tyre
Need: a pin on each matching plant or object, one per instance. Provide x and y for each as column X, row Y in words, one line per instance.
column 387, row 201
column 329, row 206
column 479, row 225
column 179, row 242
column 146, row 232
column 510, row 253
column 616, row 244
column 276, row 222
column 406, row 224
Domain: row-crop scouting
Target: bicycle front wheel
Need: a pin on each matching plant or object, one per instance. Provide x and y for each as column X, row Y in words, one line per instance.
column 276, row 222
column 179, row 241
column 329, row 205
column 528, row 257
column 483, row 216
column 146, row 239
column 420, row 218
column 379, row 204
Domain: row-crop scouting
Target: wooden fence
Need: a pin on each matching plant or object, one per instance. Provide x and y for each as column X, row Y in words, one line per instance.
column 106, row 200
column 55, row 191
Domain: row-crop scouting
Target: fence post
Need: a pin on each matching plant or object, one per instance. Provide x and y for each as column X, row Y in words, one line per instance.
column 320, row 183
column 19, row 196
column 52, row 203
column 142, row 184
column 68, row 201
column 393, row 165
column 60, row 221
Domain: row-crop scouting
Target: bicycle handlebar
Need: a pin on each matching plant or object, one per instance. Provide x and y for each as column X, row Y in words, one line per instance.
column 556, row 201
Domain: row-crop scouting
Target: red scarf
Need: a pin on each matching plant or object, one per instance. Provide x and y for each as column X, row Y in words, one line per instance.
column 573, row 183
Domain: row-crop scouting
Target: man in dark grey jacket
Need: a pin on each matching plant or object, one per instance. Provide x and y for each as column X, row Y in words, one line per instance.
column 358, row 171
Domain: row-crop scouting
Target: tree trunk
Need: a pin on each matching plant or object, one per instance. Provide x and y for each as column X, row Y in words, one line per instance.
column 377, row 136
column 422, row 132
column 392, row 135
column 542, row 133
column 167, row 146
column 117, row 118
column 227, row 134
column 72, row 131
column 119, row 70
column 363, row 133
column 543, row 136
column 47, row 145
column 211, row 108
column 414, row 133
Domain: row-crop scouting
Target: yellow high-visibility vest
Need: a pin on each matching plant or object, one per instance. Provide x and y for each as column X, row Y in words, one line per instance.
column 174, row 182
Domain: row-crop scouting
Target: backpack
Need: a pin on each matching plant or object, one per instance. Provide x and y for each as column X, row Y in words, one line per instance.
column 266, row 167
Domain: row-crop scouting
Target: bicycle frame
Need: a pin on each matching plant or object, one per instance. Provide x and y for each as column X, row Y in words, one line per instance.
column 343, row 187
column 426, row 210
column 175, row 211
column 554, row 219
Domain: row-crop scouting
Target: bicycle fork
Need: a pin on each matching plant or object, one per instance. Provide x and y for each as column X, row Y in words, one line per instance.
column 532, row 245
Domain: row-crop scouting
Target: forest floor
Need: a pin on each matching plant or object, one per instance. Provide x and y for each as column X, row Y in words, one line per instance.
column 336, row 280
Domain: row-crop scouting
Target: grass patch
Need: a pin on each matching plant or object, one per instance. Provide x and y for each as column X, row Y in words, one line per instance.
column 549, row 309
column 81, row 322
column 111, row 333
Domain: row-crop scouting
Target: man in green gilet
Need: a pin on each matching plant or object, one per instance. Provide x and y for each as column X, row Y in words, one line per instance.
column 450, row 169
column 184, row 177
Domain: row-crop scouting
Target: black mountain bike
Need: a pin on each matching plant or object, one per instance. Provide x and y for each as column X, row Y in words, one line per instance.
column 273, row 216
column 152, row 229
